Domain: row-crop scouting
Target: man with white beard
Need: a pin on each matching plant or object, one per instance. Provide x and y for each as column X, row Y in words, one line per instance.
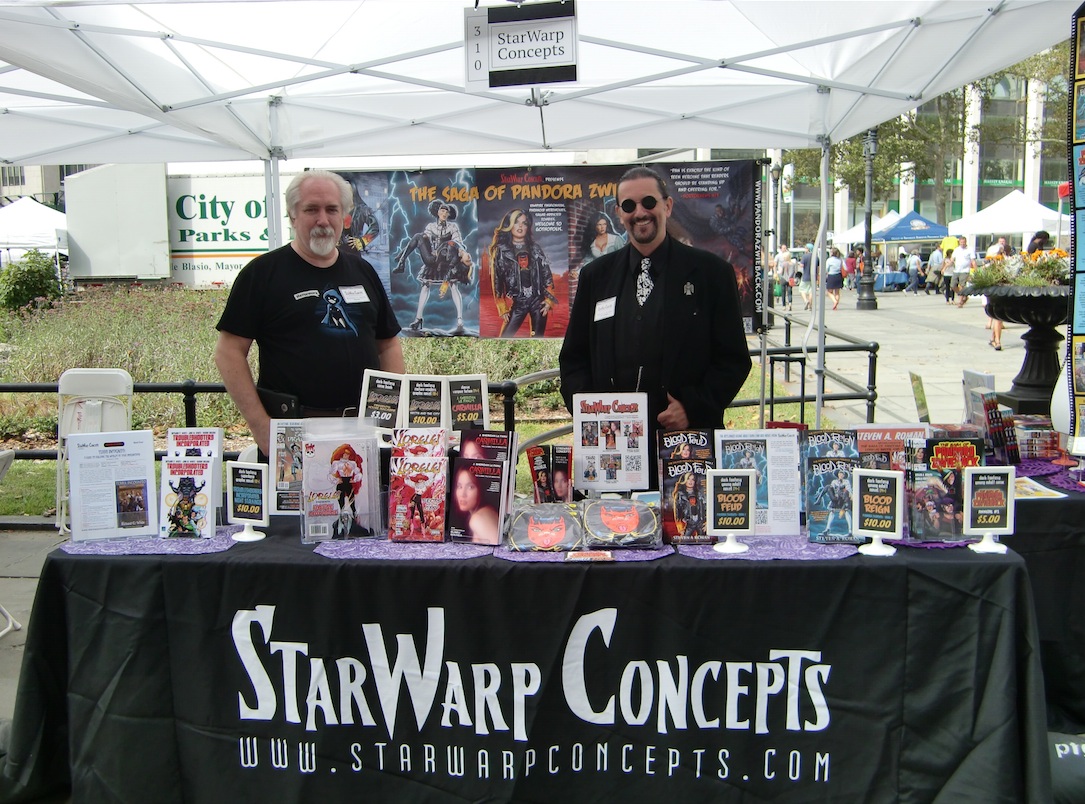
column 320, row 316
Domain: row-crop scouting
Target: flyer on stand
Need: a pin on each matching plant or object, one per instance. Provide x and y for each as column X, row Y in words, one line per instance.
column 426, row 401
column 610, row 441
column 774, row 457
column 112, row 487
column 382, row 398
column 468, row 401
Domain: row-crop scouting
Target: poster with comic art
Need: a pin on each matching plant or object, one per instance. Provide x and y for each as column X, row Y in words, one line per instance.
column 610, row 447
column 432, row 255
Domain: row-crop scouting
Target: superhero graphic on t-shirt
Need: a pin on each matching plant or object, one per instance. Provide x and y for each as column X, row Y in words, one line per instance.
column 336, row 316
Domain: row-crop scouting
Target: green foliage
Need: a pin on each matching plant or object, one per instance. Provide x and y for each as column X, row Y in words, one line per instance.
column 29, row 488
column 29, row 281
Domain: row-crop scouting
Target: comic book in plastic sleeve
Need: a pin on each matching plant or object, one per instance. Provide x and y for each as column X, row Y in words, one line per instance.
column 477, row 503
column 285, row 463
column 185, row 490
column 417, row 494
column 340, row 480
column 828, row 500
column 685, row 515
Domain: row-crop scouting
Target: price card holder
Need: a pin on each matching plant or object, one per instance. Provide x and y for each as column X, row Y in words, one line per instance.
column 732, row 501
column 246, row 498
column 988, row 505
column 877, row 509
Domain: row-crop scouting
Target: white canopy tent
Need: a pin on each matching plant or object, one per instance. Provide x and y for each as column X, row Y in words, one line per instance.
column 27, row 224
column 97, row 82
column 1012, row 214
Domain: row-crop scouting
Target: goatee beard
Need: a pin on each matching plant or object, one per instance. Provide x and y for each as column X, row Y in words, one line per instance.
column 322, row 244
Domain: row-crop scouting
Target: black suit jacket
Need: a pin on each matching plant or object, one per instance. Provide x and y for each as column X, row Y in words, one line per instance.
column 706, row 358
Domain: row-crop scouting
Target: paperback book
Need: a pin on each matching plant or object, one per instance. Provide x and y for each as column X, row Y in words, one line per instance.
column 679, row 444
column 881, row 446
column 200, row 442
column 185, row 489
column 419, row 442
column 416, row 499
column 478, row 500
column 685, row 518
column 828, row 500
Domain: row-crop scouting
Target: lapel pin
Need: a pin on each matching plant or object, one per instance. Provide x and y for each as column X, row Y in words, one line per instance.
column 688, row 289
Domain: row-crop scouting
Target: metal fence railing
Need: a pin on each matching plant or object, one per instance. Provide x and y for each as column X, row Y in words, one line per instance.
column 782, row 356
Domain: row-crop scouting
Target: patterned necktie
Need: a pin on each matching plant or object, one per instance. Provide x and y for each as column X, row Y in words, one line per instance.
column 644, row 281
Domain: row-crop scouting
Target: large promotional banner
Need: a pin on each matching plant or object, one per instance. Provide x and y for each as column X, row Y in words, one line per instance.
column 1075, row 351
column 488, row 252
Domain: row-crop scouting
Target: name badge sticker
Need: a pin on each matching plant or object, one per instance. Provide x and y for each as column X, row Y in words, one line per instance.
column 354, row 295
column 605, row 308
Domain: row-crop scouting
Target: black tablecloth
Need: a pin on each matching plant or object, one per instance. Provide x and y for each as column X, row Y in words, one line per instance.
column 270, row 673
column 1050, row 536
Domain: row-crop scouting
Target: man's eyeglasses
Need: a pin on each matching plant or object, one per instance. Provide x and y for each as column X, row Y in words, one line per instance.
column 648, row 202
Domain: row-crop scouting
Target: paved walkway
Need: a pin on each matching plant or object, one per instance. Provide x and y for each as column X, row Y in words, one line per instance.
column 915, row 333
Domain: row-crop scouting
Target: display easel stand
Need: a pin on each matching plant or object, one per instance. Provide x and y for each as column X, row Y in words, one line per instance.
column 730, row 545
column 248, row 534
column 987, row 545
column 877, row 547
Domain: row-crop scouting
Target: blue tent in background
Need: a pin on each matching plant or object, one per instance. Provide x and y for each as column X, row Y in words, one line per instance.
column 912, row 226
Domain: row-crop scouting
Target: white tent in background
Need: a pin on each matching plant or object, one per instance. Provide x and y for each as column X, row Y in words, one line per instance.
column 27, row 224
column 857, row 233
column 1012, row 214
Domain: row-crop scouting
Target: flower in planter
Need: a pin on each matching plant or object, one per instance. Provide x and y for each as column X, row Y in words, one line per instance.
column 1038, row 269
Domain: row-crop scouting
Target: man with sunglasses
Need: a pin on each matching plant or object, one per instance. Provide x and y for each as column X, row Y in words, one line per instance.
column 657, row 316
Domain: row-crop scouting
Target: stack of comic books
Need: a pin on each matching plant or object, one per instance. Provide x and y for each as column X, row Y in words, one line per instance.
column 340, row 480
column 1036, row 439
column 934, row 485
column 686, row 457
column 200, row 442
column 830, row 459
column 418, row 481
column 774, row 455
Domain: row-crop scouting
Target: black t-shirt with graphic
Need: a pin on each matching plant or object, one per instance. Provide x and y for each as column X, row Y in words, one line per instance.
column 316, row 328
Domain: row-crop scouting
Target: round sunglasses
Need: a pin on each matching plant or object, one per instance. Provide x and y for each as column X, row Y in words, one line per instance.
column 648, row 202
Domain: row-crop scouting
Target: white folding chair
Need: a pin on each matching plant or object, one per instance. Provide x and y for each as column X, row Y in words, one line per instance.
column 7, row 457
column 88, row 401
